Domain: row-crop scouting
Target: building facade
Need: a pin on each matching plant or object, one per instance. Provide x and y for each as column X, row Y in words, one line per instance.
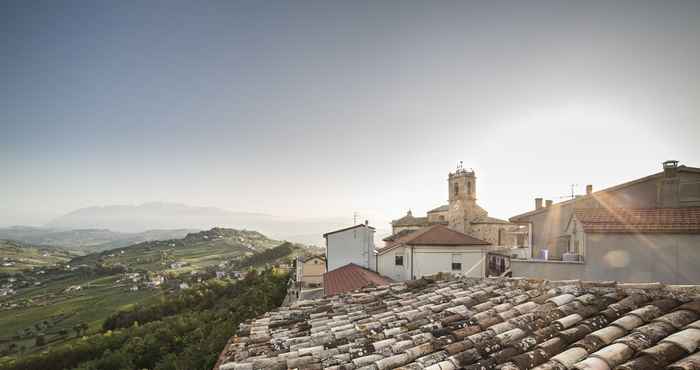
column 463, row 214
column 431, row 250
column 642, row 230
column 354, row 244
column 310, row 270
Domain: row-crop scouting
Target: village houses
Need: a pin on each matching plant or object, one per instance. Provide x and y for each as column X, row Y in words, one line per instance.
column 647, row 229
column 643, row 230
column 310, row 270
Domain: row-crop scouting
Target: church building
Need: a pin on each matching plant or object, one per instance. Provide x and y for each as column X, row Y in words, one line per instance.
column 461, row 214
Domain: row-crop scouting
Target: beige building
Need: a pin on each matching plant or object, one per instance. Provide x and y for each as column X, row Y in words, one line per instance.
column 310, row 270
column 646, row 229
column 462, row 214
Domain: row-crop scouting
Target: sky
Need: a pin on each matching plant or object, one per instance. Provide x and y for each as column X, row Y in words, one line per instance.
column 313, row 109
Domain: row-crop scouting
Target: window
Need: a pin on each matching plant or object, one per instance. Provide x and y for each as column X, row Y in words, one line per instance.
column 469, row 188
column 398, row 260
column 456, row 262
column 456, row 189
column 315, row 262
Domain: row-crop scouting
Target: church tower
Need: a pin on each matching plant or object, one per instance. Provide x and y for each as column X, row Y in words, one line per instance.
column 462, row 199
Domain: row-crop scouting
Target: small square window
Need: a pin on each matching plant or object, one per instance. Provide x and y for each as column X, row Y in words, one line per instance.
column 398, row 260
column 456, row 266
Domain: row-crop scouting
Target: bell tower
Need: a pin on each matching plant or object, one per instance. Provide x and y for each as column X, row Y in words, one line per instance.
column 462, row 198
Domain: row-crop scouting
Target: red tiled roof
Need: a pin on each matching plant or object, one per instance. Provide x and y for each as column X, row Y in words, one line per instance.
column 351, row 277
column 435, row 235
column 655, row 220
column 442, row 235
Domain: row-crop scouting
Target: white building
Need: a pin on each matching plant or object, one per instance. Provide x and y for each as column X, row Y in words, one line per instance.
column 431, row 250
column 354, row 244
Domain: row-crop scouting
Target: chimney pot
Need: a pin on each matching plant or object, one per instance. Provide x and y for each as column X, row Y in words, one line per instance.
column 538, row 203
column 548, row 203
column 589, row 189
column 670, row 168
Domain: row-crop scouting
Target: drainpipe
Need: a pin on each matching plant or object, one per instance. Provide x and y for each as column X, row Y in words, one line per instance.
column 412, row 277
column 326, row 254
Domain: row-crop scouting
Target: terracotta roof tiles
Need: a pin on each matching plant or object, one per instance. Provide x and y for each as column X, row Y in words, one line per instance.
column 624, row 220
column 485, row 324
column 351, row 277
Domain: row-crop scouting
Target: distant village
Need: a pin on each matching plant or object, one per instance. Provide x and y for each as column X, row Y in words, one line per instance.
column 644, row 230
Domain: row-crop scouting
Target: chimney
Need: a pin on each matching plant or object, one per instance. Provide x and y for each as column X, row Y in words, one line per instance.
column 538, row 203
column 589, row 189
column 669, row 186
column 548, row 203
column 366, row 222
column 670, row 168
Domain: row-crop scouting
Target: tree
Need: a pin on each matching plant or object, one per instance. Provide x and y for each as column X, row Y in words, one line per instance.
column 40, row 340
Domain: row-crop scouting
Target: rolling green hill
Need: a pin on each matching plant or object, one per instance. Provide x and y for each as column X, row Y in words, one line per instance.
column 16, row 256
column 71, row 292
column 193, row 252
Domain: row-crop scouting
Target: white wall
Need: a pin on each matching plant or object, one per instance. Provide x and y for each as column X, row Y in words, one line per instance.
column 666, row 258
column 350, row 246
column 429, row 260
column 387, row 264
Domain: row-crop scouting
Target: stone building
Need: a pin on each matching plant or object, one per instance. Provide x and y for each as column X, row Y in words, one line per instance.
column 463, row 214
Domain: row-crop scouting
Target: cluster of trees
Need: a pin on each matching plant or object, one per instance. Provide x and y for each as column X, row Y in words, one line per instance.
column 186, row 331
column 267, row 256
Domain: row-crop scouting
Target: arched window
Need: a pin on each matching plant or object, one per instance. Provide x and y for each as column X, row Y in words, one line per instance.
column 456, row 189
column 469, row 187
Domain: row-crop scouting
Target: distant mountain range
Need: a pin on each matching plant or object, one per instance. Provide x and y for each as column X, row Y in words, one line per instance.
column 85, row 241
column 159, row 221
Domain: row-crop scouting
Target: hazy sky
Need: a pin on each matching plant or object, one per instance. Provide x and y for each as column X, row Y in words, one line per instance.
column 318, row 109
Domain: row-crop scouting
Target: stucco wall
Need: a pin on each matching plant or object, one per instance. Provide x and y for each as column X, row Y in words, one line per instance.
column 312, row 271
column 489, row 232
column 549, row 224
column 429, row 260
column 350, row 246
column 432, row 259
column 666, row 258
column 386, row 265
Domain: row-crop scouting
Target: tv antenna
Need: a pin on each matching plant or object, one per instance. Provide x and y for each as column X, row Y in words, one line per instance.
column 573, row 192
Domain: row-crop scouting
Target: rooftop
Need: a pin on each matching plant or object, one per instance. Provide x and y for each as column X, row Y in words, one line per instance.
column 409, row 220
column 442, row 208
column 435, row 235
column 506, row 324
column 524, row 216
column 346, row 229
column 351, row 277
column 656, row 220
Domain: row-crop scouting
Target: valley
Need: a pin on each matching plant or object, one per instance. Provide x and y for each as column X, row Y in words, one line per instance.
column 55, row 296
